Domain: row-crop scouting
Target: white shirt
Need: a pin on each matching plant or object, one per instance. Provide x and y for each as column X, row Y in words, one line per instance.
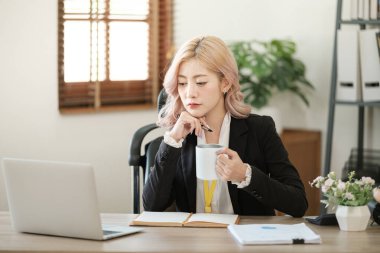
column 221, row 201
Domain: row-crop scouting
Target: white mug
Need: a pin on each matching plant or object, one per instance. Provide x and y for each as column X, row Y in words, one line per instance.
column 205, row 156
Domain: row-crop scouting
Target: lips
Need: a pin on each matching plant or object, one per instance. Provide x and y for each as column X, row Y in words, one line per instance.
column 192, row 105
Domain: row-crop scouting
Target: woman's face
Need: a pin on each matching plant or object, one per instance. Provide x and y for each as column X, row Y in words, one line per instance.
column 200, row 90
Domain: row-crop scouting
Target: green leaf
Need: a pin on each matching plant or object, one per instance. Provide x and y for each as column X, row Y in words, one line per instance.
column 273, row 67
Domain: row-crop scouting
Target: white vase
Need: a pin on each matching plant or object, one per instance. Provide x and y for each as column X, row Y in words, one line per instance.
column 273, row 112
column 353, row 218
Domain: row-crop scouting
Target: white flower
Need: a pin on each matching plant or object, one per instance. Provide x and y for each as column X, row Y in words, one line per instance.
column 349, row 195
column 368, row 180
column 329, row 182
column 341, row 185
column 317, row 179
column 245, row 71
column 360, row 183
column 331, row 174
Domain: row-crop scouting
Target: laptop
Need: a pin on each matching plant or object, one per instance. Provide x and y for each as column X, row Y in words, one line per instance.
column 56, row 198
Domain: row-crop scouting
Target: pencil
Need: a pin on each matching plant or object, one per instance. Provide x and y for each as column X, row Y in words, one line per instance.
column 207, row 128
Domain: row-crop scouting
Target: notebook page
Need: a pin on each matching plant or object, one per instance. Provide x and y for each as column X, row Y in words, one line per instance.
column 214, row 218
column 177, row 217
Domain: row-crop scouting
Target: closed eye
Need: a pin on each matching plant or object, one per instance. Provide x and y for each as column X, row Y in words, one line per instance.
column 181, row 84
column 201, row 83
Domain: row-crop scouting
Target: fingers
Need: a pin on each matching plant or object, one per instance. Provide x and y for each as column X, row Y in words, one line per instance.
column 228, row 153
column 186, row 124
column 223, row 167
column 229, row 165
column 222, row 174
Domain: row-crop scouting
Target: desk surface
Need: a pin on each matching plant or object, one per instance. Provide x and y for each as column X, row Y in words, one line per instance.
column 174, row 239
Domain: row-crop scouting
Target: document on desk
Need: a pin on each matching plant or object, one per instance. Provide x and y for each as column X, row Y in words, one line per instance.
column 274, row 234
column 182, row 219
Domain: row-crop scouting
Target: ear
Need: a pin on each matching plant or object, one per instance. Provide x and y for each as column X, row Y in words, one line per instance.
column 225, row 86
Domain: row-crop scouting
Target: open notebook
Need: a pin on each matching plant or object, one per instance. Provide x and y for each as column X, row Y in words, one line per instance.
column 182, row 219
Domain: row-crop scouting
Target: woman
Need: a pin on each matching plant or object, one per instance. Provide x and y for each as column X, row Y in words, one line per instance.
column 205, row 105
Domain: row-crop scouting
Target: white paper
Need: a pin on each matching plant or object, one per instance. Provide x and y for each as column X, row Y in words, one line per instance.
column 214, row 217
column 178, row 217
column 273, row 233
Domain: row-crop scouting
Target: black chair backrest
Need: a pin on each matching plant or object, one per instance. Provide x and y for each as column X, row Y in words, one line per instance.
column 144, row 161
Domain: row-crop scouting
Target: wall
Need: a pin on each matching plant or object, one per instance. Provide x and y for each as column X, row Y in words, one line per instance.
column 32, row 127
column 311, row 24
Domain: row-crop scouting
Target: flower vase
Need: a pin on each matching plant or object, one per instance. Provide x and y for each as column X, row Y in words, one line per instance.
column 352, row 218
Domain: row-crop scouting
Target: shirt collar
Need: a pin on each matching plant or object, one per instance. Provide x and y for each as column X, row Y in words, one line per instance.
column 224, row 132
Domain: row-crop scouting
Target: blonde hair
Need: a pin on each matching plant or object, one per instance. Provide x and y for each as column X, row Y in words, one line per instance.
column 214, row 54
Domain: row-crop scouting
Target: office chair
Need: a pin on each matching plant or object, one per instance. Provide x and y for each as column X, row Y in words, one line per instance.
column 146, row 160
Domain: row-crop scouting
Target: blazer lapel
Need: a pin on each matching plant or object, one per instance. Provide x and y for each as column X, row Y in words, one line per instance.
column 189, row 171
column 237, row 142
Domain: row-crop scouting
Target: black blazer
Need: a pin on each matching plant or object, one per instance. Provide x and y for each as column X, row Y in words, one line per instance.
column 275, row 183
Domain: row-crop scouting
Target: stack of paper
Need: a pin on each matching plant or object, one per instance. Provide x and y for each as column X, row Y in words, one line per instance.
column 274, row 234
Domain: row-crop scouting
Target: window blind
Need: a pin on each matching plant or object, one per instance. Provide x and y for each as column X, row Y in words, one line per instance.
column 112, row 52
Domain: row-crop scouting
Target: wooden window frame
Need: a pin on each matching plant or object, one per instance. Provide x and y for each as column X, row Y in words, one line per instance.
column 110, row 95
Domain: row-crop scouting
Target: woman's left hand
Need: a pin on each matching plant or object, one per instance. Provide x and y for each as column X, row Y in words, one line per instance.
column 229, row 165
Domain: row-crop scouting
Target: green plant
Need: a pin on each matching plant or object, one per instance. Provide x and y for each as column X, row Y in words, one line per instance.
column 353, row 192
column 267, row 67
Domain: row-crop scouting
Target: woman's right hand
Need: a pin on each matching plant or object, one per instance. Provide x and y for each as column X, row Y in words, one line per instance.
column 185, row 125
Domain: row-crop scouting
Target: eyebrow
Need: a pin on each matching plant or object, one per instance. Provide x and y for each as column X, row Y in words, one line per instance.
column 196, row 76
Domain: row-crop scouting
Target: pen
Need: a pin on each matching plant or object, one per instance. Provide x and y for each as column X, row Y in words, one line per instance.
column 207, row 128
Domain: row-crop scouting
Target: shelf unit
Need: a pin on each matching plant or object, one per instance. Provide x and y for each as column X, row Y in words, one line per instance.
column 333, row 102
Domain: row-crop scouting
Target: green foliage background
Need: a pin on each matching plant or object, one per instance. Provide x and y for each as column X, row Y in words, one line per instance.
column 268, row 67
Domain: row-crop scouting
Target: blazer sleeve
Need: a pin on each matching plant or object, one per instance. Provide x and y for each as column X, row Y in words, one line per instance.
column 158, row 192
column 278, row 184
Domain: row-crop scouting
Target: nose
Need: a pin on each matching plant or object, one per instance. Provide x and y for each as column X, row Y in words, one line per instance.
column 191, row 90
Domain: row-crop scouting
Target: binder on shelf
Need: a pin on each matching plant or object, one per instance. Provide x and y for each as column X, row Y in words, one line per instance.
column 378, row 41
column 373, row 6
column 354, row 9
column 361, row 6
column 370, row 64
column 348, row 81
column 366, row 9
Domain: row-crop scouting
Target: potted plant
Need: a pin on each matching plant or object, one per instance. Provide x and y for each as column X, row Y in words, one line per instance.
column 351, row 197
column 268, row 67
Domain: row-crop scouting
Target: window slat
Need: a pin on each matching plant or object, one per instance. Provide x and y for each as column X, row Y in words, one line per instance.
column 105, row 54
